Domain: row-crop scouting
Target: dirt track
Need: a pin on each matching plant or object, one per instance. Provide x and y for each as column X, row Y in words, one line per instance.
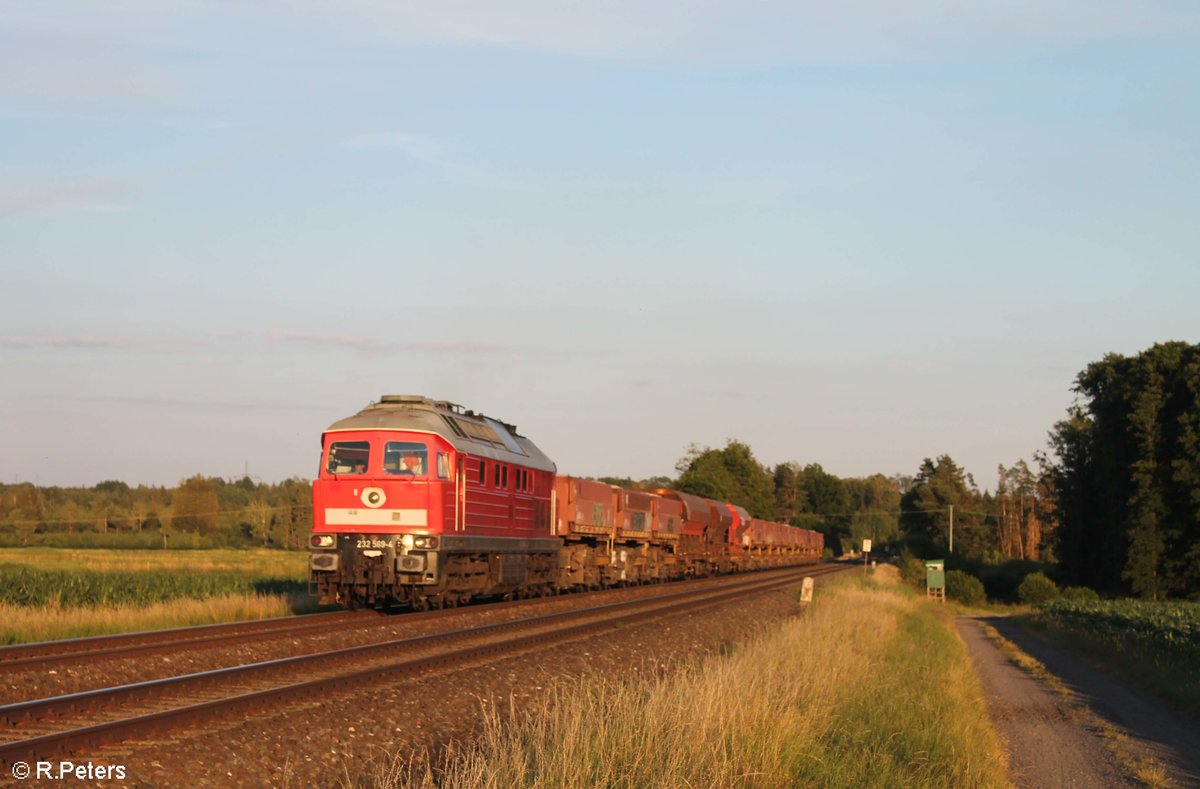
column 1050, row 741
column 1046, row 742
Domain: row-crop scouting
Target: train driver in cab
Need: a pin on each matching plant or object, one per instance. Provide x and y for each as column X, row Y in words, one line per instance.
column 404, row 457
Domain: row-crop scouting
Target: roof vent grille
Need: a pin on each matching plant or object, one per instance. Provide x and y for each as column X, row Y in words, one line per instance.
column 411, row 399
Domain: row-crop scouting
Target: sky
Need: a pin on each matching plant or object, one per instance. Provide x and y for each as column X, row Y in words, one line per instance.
column 857, row 234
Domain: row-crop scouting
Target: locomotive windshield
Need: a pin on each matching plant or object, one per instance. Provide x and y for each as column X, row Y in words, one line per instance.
column 348, row 457
column 405, row 457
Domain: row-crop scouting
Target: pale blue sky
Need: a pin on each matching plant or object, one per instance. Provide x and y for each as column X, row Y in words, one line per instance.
column 857, row 234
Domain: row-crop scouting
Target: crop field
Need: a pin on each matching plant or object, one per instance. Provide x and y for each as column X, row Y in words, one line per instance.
column 50, row 593
column 264, row 563
column 1154, row 644
column 1169, row 628
column 33, row 587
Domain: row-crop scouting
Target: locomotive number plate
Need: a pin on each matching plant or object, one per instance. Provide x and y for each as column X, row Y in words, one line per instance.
column 369, row 542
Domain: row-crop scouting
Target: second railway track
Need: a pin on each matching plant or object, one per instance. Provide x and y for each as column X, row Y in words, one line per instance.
column 44, row 655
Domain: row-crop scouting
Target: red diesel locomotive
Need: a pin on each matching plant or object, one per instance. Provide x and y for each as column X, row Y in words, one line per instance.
column 421, row 502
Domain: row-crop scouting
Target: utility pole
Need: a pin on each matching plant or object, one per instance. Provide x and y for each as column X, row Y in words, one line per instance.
column 951, row 528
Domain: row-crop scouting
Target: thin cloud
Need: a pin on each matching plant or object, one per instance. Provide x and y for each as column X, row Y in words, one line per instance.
column 345, row 342
column 427, row 151
column 87, row 193
column 372, row 346
column 66, row 343
column 168, row 402
column 420, row 148
column 106, row 208
column 99, row 195
column 29, row 198
column 759, row 31
column 113, row 54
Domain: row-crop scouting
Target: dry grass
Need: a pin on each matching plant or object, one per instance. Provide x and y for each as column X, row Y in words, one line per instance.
column 19, row 624
column 847, row 695
column 257, row 561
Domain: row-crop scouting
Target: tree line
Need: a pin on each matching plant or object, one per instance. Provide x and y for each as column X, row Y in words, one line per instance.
column 201, row 512
column 1126, row 474
column 1014, row 522
column 1113, row 505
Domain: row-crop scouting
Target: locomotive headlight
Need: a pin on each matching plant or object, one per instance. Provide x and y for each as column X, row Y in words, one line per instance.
column 425, row 542
column 321, row 541
column 373, row 497
column 407, row 541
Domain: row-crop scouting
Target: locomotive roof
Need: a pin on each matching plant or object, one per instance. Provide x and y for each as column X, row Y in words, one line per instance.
column 466, row 430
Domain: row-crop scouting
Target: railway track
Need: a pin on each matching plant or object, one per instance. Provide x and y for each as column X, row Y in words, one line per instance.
column 49, row 654
column 45, row 654
column 63, row 725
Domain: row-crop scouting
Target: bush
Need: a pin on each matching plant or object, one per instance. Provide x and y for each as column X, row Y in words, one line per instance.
column 912, row 570
column 964, row 588
column 1080, row 594
column 1000, row 581
column 1037, row 589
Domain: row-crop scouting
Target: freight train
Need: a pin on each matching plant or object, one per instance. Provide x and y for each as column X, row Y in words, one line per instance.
column 421, row 502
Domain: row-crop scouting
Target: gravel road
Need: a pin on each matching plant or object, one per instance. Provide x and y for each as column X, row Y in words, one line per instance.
column 1051, row 741
column 1171, row 738
column 1047, row 741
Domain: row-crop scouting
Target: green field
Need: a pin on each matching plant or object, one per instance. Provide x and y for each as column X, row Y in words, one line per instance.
column 1155, row 644
column 1167, row 628
column 49, row 593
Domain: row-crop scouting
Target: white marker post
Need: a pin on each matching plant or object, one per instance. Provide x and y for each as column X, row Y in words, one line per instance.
column 806, row 590
column 866, row 552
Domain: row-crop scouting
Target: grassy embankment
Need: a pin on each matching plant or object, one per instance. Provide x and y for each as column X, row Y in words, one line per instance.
column 48, row 593
column 870, row 687
column 1155, row 645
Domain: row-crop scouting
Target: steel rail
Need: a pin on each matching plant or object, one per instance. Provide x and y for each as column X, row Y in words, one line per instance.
column 611, row 616
column 14, row 654
column 19, row 713
column 45, row 654
column 151, row 642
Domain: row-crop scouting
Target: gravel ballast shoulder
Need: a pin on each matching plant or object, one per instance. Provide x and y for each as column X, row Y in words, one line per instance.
column 344, row 735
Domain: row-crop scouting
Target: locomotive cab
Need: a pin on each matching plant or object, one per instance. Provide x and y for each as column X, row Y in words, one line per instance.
column 380, row 504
